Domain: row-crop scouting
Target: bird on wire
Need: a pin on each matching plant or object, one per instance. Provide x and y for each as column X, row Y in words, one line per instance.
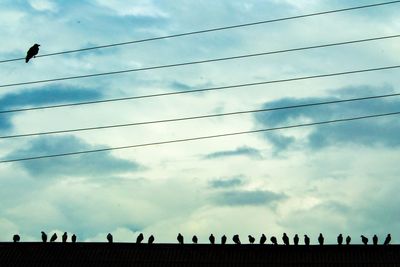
column 32, row 52
column 321, row 239
column 348, row 240
column 296, row 239
column 212, row 239
column 73, row 238
column 223, row 240
column 375, row 240
column 306, row 240
column 53, row 237
column 151, row 239
column 194, row 239
column 274, row 241
column 285, row 239
column 44, row 237
column 16, row 238
column 180, row 238
column 387, row 240
column 364, row 239
column 139, row 239
column 236, row 239
column 251, row 239
column 64, row 237
column 340, row 239
column 109, row 238
column 263, row 239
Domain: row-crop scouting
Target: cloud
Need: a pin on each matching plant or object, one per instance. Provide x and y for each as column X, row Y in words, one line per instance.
column 244, row 198
column 43, row 5
column 225, row 183
column 141, row 8
column 240, row 151
column 89, row 165
column 367, row 132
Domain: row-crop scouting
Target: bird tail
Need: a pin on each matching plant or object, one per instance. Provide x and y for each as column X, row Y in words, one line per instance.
column 27, row 59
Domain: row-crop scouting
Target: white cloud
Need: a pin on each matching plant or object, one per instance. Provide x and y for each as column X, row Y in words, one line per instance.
column 44, row 5
column 141, row 8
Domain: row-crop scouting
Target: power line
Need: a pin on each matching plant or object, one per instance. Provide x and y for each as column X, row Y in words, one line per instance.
column 199, row 138
column 210, row 30
column 197, row 62
column 199, row 117
column 203, row 89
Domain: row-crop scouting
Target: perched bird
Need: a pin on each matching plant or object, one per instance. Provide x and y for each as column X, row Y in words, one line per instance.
column 340, row 239
column 375, row 240
column 194, row 239
column 180, row 238
column 64, row 237
column 151, row 239
column 223, row 240
column 251, row 239
column 44, row 237
column 139, row 239
column 296, row 239
column 32, row 52
column 348, row 240
column 387, row 240
column 273, row 240
column 306, row 240
column 263, row 239
column 285, row 239
column 212, row 239
column 321, row 239
column 364, row 240
column 236, row 239
column 73, row 238
column 53, row 237
column 16, row 238
column 109, row 238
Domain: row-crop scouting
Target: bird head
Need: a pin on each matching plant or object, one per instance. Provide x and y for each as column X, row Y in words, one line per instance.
column 36, row 44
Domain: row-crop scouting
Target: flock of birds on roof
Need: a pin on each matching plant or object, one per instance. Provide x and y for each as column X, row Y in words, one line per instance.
column 235, row 239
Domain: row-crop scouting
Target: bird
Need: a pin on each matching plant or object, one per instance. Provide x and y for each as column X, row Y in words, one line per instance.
column 236, row 239
column 194, row 239
column 321, row 239
column 139, row 239
column 212, row 239
column 53, row 237
column 44, row 237
column 223, row 240
column 263, row 239
column 340, row 239
column 364, row 240
column 32, row 52
column 306, row 240
column 348, row 240
column 64, row 237
column 151, row 239
column 16, row 238
column 285, row 239
column 73, row 238
column 180, row 238
column 375, row 240
column 387, row 240
column 273, row 240
column 109, row 238
column 251, row 239
column 296, row 239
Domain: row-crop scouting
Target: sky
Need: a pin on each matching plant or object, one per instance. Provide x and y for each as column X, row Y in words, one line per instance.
column 330, row 179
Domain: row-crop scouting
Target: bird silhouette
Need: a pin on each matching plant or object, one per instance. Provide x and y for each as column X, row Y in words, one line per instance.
column 16, row 238
column 387, row 239
column 364, row 240
column 151, row 239
column 321, row 239
column 212, row 239
column 340, row 239
column 375, row 240
column 32, row 52
column 64, row 237
column 44, row 237
column 53, row 237
column 223, row 240
column 139, row 239
column 274, row 240
column 296, row 239
column 180, row 238
column 194, row 239
column 348, row 240
column 306, row 240
column 236, row 239
column 73, row 238
column 109, row 238
column 251, row 239
column 285, row 239
column 263, row 239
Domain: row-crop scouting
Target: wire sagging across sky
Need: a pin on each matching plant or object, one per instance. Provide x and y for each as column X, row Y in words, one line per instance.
column 199, row 61
column 210, row 30
column 200, row 117
column 199, row 138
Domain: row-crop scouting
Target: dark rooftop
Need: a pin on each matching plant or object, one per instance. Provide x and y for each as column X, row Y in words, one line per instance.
column 130, row 254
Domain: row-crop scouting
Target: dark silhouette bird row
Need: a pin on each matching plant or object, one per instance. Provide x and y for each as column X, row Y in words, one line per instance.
column 54, row 237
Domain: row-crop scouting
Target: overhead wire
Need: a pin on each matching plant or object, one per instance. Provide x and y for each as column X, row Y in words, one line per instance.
column 198, row 138
column 208, row 30
column 197, row 62
column 201, row 116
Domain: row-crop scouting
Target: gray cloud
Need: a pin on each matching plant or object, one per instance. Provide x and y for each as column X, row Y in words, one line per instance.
column 247, row 198
column 93, row 164
column 225, row 183
column 240, row 151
